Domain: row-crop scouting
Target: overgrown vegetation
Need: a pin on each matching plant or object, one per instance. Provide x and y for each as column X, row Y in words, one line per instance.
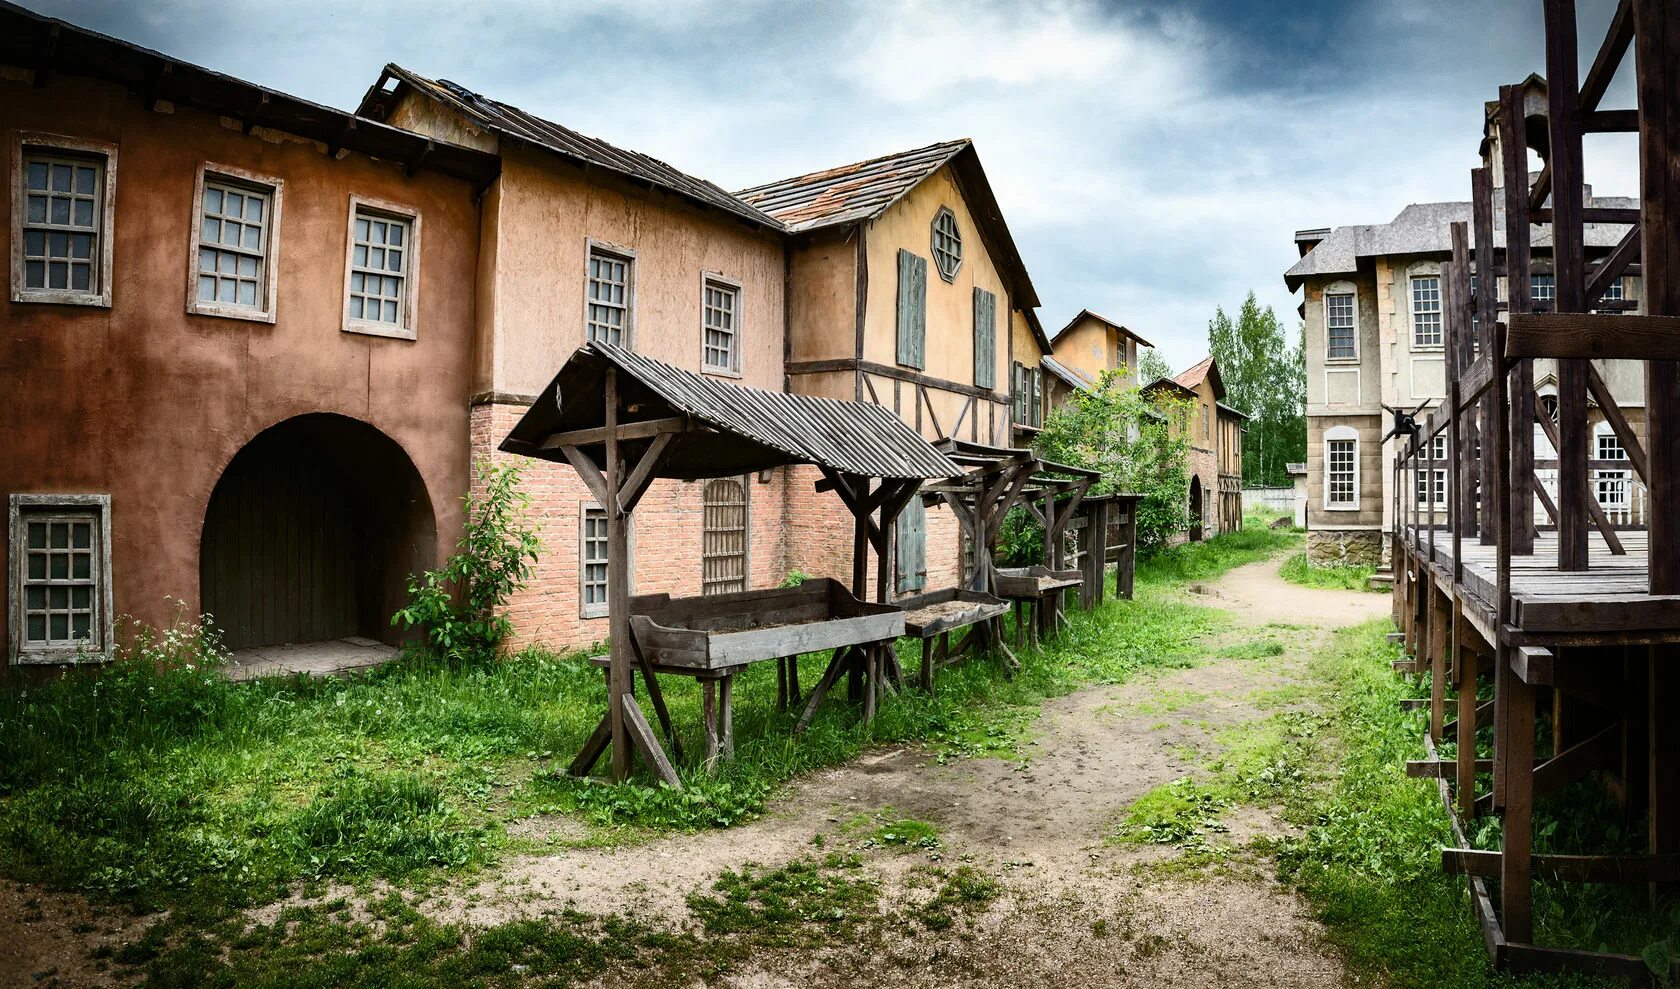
column 1266, row 378
column 1336, row 576
column 1136, row 442
column 461, row 609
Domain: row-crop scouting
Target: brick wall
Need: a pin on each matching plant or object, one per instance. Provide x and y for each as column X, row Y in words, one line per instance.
column 665, row 538
column 1204, row 464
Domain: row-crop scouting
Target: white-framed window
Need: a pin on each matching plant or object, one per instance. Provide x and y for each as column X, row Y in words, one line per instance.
column 1616, row 291
column 1432, row 482
column 63, row 205
column 235, row 244
column 1341, row 468
column 1426, row 311
column 60, row 581
column 610, row 295
column 723, row 548
column 592, row 561
column 1612, row 487
column 1543, row 288
column 381, row 277
column 1549, row 406
column 1340, row 327
column 720, row 325
column 946, row 243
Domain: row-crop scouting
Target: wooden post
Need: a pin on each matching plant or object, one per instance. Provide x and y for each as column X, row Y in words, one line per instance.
column 618, row 588
column 1569, row 263
column 1465, row 664
column 1517, row 823
column 1440, row 640
column 1513, row 141
column 1657, row 37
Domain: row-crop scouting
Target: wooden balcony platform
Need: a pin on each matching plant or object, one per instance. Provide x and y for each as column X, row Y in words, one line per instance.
column 1607, row 604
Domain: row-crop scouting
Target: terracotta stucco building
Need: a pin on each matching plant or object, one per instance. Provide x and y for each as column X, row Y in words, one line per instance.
column 1214, row 432
column 253, row 346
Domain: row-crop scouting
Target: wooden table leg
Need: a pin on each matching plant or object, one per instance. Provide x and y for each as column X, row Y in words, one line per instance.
column 781, row 684
column 708, row 705
column 726, row 705
column 836, row 666
column 871, row 680
column 927, row 664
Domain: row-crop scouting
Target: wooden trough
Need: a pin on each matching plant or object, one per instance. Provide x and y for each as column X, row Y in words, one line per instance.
column 1036, row 587
column 720, row 631
column 932, row 617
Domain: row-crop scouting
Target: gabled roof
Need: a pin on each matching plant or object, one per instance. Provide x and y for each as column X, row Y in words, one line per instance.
column 1072, row 378
column 750, row 429
column 510, row 121
column 1239, row 413
column 1086, row 313
column 865, row 190
column 1168, row 384
column 48, row 45
column 1195, row 374
column 1031, row 316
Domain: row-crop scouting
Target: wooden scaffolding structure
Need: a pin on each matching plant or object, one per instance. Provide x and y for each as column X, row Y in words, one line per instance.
column 1575, row 624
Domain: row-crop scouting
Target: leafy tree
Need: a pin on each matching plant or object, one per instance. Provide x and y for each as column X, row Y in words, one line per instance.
column 461, row 608
column 1266, row 379
column 1128, row 438
column 1151, row 366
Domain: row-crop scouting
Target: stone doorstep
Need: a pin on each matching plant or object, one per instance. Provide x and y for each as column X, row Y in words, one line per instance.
column 316, row 659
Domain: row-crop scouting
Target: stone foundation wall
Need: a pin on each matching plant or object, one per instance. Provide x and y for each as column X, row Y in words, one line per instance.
column 1350, row 547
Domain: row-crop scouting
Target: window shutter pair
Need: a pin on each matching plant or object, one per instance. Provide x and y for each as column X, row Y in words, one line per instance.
column 912, row 547
column 1018, row 388
column 912, row 309
column 1036, row 412
column 985, row 339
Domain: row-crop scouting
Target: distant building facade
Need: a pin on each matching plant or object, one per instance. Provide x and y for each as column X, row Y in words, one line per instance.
column 1214, row 432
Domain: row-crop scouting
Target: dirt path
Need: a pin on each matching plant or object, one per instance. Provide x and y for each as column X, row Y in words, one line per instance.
column 1039, row 825
column 1072, row 904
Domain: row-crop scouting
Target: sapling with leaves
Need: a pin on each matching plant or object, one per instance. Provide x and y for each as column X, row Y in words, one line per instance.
column 461, row 608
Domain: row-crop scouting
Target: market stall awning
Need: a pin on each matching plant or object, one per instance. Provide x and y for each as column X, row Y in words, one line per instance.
column 731, row 429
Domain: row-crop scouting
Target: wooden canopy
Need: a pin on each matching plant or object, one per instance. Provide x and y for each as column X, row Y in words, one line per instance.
column 742, row 429
column 621, row 420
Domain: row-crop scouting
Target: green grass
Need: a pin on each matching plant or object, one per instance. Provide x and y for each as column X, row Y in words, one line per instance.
column 1343, row 577
column 158, row 783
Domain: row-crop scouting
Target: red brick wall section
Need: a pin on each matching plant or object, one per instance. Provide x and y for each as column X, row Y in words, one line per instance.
column 1205, row 465
column 665, row 539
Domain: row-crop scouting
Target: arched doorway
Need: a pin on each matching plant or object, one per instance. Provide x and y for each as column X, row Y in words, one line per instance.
column 311, row 534
column 1195, row 509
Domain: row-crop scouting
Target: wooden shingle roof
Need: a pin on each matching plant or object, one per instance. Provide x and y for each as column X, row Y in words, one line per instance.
column 581, row 149
column 748, row 429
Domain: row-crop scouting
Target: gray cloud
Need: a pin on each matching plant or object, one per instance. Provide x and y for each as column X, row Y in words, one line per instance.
column 1153, row 159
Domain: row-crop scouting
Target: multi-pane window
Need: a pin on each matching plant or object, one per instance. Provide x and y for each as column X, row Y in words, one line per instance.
column 1543, row 288
column 1338, row 326
column 947, row 244
column 1018, row 381
column 1206, row 434
column 1616, row 291
column 59, row 577
column 1035, row 397
column 723, row 547
column 234, row 231
column 63, row 200
column 1549, row 406
column 1432, row 482
column 1426, row 311
column 720, row 315
column 608, row 317
column 592, row 567
column 1611, row 486
column 381, row 257
column 1340, row 472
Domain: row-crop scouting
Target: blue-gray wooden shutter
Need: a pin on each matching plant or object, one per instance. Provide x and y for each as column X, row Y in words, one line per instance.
column 912, row 547
column 985, row 339
column 912, row 309
column 1037, row 410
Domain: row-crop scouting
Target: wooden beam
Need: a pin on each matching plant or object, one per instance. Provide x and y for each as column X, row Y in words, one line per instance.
column 627, row 432
column 620, row 700
column 1431, row 769
column 641, row 478
column 1611, row 268
column 1657, row 56
column 588, row 473
column 1568, row 868
column 1610, row 122
column 1594, row 511
column 1533, row 665
column 1584, row 214
column 1618, row 423
column 1595, row 336
column 641, row 733
column 1611, row 53
column 1513, row 140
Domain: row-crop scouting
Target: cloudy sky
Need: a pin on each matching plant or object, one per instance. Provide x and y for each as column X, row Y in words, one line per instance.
column 1152, row 159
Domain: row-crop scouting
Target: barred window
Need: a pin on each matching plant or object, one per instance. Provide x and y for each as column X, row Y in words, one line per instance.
column 1341, row 472
column 1426, row 311
column 608, row 319
column 63, row 208
column 723, row 550
column 234, row 230
column 1339, row 326
column 592, row 563
column 947, row 244
column 720, row 313
column 1543, row 288
column 61, row 577
column 384, row 255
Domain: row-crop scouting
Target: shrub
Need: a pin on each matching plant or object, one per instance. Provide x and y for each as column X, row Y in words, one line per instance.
column 460, row 608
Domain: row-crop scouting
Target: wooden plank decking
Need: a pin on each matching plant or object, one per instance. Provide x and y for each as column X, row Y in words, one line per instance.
column 1610, row 601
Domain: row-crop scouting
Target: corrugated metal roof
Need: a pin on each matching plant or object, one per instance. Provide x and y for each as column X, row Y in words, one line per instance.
column 514, row 122
column 750, row 429
column 859, row 191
